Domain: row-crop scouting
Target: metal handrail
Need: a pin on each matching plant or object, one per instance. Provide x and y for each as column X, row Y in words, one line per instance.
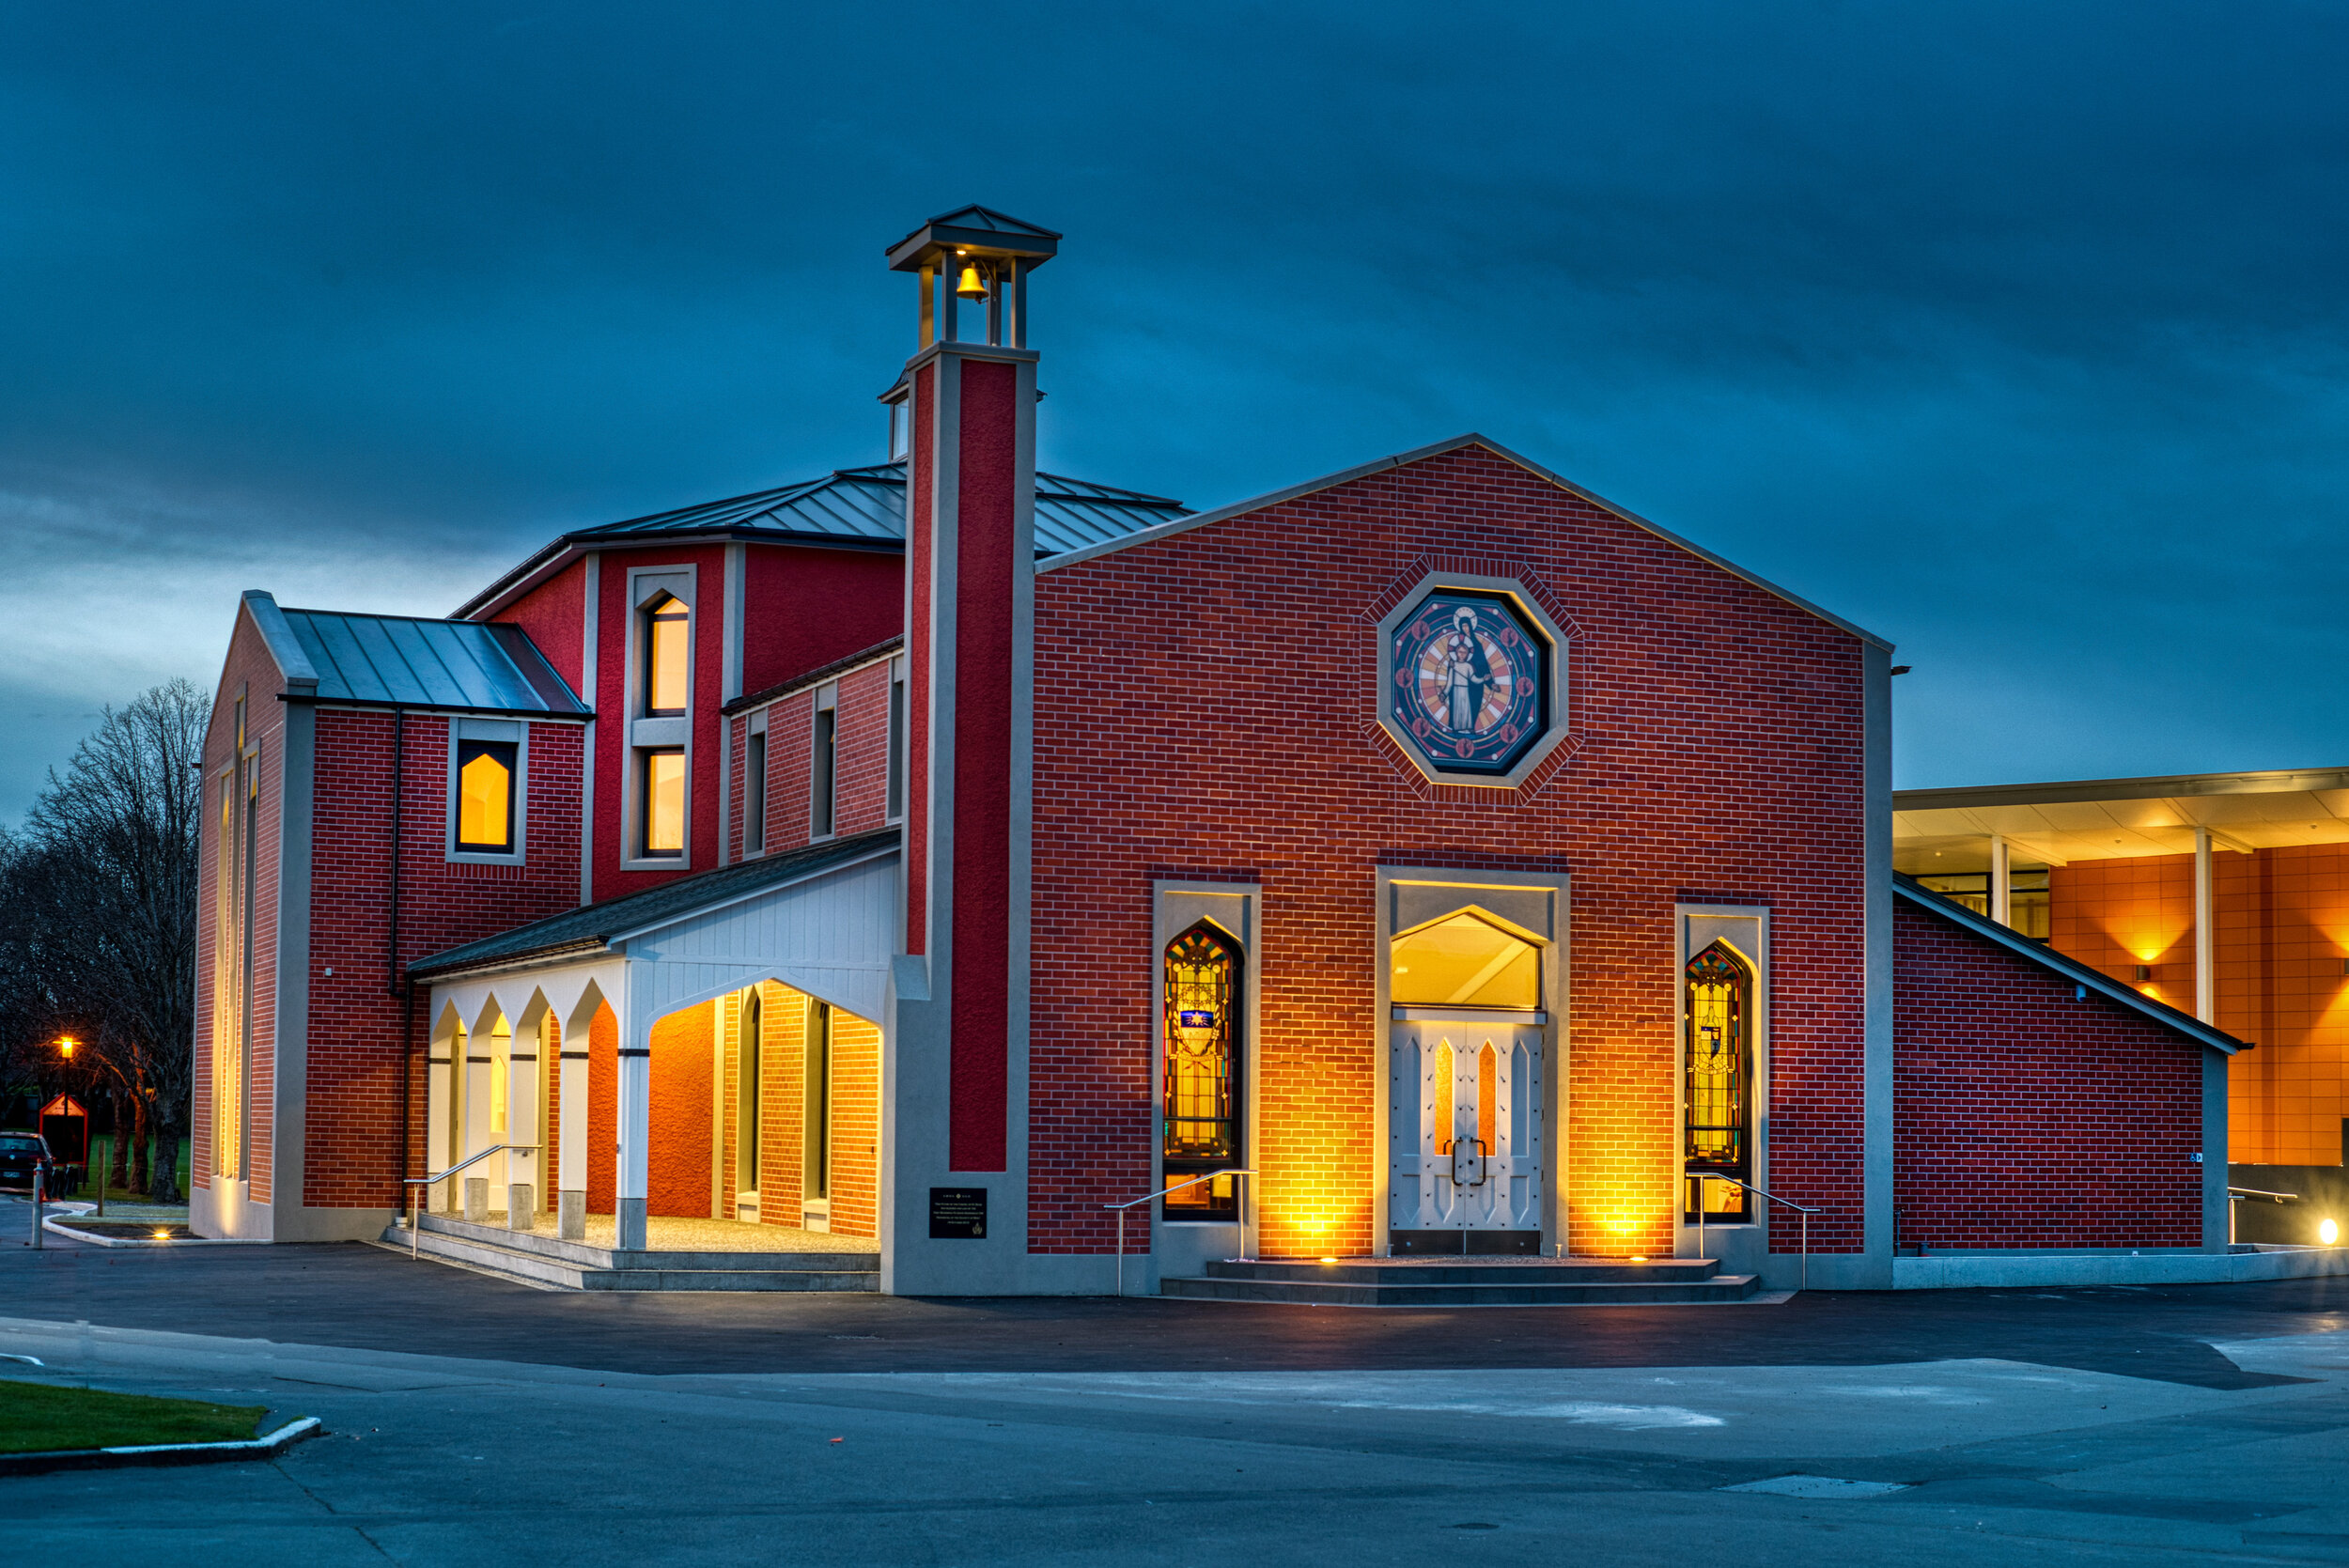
column 1806, row 1213
column 1241, row 1196
column 428, row 1181
column 2236, row 1195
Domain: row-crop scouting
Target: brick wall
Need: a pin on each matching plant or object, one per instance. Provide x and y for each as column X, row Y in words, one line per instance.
column 1204, row 709
column 2024, row 1116
column 360, row 1032
column 860, row 759
column 248, row 671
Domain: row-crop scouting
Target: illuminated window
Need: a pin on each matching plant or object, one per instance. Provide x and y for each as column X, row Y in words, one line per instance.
column 665, row 804
column 1465, row 962
column 1202, row 1071
column 668, row 658
column 1718, row 989
column 485, row 796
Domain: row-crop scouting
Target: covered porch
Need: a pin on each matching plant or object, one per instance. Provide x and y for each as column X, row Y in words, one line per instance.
column 692, row 1072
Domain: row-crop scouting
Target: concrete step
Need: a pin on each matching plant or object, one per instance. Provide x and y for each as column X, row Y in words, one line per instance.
column 1469, row 1271
column 1382, row 1282
column 542, row 1260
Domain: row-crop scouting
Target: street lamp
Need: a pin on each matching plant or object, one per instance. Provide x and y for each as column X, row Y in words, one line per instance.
column 66, row 1043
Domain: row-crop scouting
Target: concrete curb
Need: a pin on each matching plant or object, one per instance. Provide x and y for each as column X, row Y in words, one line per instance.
column 61, row 1225
column 161, row 1453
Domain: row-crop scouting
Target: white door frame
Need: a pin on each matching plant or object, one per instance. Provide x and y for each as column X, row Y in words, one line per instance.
column 1537, row 902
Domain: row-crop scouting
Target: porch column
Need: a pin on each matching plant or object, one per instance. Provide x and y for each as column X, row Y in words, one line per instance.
column 2206, row 939
column 570, row 1138
column 438, row 1085
column 2001, row 883
column 635, row 1128
column 521, row 1127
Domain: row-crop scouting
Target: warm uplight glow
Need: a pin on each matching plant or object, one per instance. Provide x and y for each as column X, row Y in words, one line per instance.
column 163, row 1236
column 2328, row 1233
column 1638, row 1257
column 1333, row 1260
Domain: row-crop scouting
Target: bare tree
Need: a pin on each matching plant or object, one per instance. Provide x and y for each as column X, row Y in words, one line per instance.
column 100, row 892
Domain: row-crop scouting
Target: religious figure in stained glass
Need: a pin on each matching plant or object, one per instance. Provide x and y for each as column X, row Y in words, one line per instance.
column 1718, row 1085
column 1200, row 1063
column 1467, row 677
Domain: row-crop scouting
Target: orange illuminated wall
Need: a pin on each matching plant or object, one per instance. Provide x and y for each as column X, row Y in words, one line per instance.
column 676, row 1152
column 2281, row 936
column 855, row 1122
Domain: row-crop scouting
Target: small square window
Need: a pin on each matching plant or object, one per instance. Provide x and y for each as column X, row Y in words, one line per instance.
column 485, row 796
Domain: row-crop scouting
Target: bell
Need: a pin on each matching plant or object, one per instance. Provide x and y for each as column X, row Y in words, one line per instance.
column 973, row 287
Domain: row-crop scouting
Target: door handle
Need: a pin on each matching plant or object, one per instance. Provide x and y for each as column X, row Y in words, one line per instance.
column 1468, row 1161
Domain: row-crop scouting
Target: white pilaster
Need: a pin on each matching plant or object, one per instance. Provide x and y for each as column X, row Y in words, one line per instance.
column 570, row 1138
column 2001, row 882
column 522, row 1125
column 634, row 1116
column 2205, row 937
column 438, row 1082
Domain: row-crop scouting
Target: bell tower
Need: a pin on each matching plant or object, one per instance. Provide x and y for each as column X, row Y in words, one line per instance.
column 954, row 1138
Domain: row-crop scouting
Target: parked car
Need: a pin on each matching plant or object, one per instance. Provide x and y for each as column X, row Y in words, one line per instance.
column 21, row 1155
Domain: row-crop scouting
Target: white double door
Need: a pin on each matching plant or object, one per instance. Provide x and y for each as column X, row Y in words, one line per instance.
column 1464, row 1122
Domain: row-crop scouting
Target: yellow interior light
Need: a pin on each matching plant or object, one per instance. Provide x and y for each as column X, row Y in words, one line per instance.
column 973, row 287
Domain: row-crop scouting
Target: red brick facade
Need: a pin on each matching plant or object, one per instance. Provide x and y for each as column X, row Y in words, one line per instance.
column 2026, row 1116
column 1204, row 709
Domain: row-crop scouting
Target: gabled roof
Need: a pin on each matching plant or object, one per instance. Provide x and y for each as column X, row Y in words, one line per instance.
column 1257, row 503
column 593, row 928
column 858, row 507
column 2069, row 969
column 409, row 662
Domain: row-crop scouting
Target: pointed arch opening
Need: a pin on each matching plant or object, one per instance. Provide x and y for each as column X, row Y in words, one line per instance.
column 1200, row 1109
column 1716, row 1098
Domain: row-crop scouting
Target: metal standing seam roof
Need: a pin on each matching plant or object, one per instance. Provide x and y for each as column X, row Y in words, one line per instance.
column 594, row 926
column 868, row 505
column 409, row 661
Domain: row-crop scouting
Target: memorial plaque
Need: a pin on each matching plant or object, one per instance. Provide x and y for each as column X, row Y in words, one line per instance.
column 957, row 1213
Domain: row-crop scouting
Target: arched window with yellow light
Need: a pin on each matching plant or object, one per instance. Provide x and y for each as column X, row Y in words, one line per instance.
column 1200, row 1109
column 1717, row 1089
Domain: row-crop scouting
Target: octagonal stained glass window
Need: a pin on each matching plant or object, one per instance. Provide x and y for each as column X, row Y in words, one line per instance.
column 1468, row 682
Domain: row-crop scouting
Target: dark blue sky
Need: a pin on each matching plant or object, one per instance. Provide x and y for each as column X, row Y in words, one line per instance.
column 2014, row 333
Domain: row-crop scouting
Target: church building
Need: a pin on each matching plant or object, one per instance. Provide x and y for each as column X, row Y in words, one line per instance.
column 947, row 878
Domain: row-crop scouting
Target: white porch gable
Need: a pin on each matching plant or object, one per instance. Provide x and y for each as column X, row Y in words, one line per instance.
column 821, row 920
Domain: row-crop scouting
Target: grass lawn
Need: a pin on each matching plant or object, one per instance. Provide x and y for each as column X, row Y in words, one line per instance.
column 37, row 1417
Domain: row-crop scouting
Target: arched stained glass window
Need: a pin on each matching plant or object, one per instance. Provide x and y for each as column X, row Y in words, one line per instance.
column 1718, row 1099
column 1201, row 1057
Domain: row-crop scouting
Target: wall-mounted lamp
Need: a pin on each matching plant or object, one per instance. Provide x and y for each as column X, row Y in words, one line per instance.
column 2145, row 971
